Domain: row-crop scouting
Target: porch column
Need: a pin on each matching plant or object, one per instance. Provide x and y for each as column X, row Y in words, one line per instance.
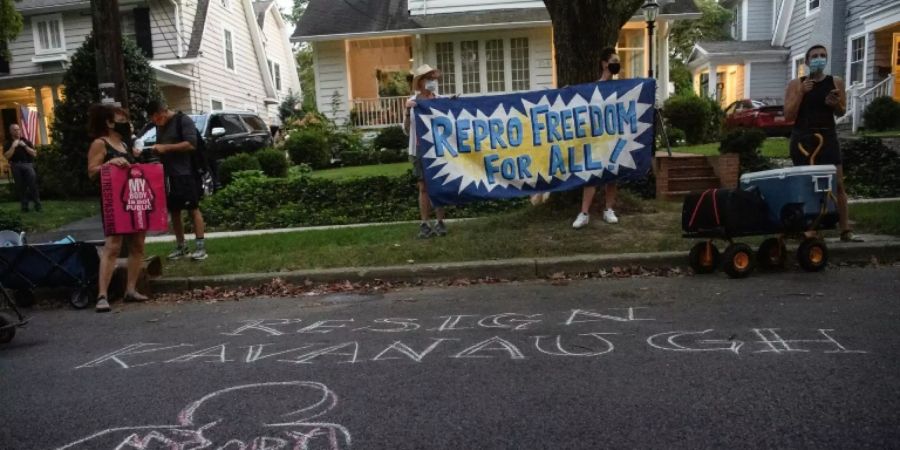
column 663, row 57
column 42, row 122
column 55, row 93
column 713, row 81
column 418, row 51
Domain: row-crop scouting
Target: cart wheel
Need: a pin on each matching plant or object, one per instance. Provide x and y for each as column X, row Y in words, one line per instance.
column 737, row 261
column 9, row 333
column 704, row 257
column 771, row 254
column 24, row 298
column 812, row 255
column 81, row 298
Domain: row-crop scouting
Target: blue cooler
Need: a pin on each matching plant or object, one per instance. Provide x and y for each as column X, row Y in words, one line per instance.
column 795, row 196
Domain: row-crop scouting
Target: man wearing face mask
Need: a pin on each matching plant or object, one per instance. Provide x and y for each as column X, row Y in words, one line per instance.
column 812, row 103
column 425, row 85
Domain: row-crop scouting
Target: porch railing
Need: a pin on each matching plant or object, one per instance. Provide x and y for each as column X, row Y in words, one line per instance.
column 378, row 112
column 861, row 98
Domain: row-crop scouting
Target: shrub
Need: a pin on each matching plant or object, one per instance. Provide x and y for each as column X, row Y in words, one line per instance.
column 393, row 156
column 309, row 145
column 689, row 113
column 716, row 120
column 255, row 202
column 273, row 162
column 345, row 139
column 359, row 158
column 882, row 114
column 747, row 144
column 11, row 222
column 237, row 163
column 59, row 177
column 675, row 135
column 391, row 138
column 871, row 169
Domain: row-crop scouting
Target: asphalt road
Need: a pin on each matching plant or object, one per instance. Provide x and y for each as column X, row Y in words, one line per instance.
column 788, row 360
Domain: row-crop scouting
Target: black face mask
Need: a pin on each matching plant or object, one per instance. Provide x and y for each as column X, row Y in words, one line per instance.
column 124, row 129
column 614, row 68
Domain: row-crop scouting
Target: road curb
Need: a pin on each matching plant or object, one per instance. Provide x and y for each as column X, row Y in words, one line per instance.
column 512, row 269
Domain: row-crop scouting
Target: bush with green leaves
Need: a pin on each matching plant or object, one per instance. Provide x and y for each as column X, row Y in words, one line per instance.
column 882, row 114
column 70, row 121
column 237, row 163
column 392, row 138
column 309, row 145
column 256, row 202
column 747, row 143
column 715, row 127
column 871, row 169
column 58, row 177
column 273, row 162
column 11, row 222
column 691, row 114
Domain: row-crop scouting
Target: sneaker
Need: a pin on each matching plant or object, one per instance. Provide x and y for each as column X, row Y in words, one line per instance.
column 178, row 253
column 102, row 305
column 440, row 229
column 199, row 254
column 425, row 231
column 581, row 221
column 609, row 216
column 848, row 236
column 132, row 297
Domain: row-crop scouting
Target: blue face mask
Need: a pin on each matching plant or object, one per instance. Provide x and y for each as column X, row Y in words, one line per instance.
column 817, row 65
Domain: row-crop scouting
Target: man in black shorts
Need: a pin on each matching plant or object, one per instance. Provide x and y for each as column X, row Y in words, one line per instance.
column 812, row 102
column 183, row 185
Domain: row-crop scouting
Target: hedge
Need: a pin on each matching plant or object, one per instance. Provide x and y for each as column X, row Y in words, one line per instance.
column 871, row 169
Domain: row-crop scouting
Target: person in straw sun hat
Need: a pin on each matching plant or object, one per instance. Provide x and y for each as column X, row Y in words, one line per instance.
column 425, row 87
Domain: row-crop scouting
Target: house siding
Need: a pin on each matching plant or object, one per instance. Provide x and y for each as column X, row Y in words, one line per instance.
column 759, row 20
column 76, row 28
column 331, row 76
column 162, row 22
column 241, row 88
column 279, row 50
column 419, row 7
column 824, row 27
column 768, row 80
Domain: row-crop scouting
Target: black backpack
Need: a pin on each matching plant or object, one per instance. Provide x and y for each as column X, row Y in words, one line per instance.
column 199, row 161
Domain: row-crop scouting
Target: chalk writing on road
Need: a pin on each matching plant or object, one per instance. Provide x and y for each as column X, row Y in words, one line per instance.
column 285, row 418
column 460, row 337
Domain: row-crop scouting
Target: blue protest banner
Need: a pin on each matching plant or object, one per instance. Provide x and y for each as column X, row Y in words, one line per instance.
column 513, row 145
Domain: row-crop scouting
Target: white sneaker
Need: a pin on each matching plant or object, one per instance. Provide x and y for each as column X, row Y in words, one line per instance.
column 581, row 221
column 609, row 216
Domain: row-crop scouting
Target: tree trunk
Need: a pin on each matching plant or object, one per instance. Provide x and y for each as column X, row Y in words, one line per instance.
column 581, row 29
column 110, row 60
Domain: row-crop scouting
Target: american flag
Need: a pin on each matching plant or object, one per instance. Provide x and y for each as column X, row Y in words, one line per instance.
column 29, row 123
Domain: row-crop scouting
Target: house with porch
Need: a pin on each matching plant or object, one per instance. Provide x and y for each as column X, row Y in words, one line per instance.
column 363, row 50
column 206, row 55
column 771, row 40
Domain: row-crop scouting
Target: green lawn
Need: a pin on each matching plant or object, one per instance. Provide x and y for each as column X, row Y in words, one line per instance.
column 771, row 148
column 880, row 218
column 56, row 213
column 388, row 170
column 888, row 133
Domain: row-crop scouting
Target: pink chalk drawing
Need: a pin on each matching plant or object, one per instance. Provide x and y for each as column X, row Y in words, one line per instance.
column 261, row 416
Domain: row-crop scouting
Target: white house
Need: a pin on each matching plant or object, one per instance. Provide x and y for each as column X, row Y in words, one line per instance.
column 206, row 54
column 772, row 37
column 482, row 47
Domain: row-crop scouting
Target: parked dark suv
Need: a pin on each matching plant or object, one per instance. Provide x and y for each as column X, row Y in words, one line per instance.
column 226, row 133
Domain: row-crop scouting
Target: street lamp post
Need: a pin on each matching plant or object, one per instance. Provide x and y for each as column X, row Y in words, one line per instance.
column 651, row 9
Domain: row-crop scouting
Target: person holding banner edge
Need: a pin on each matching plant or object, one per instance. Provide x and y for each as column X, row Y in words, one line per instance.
column 425, row 85
column 111, row 130
column 609, row 67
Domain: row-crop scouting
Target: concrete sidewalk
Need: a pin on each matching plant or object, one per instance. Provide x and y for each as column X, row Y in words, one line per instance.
column 881, row 248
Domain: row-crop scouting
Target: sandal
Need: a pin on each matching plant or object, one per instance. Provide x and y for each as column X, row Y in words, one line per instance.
column 102, row 305
column 132, row 297
column 848, row 236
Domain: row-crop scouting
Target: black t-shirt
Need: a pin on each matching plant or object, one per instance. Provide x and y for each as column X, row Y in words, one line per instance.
column 20, row 155
column 177, row 163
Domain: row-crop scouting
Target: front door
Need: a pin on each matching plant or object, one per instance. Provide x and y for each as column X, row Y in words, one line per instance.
column 895, row 65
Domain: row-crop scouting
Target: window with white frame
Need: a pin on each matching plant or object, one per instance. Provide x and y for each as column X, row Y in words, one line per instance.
column 216, row 104
column 494, row 64
column 812, row 6
column 518, row 55
column 471, row 67
column 447, row 65
column 857, row 59
column 229, row 49
column 49, row 34
column 630, row 49
column 799, row 68
column 735, row 20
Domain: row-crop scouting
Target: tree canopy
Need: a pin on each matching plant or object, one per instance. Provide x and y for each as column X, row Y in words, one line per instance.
column 11, row 24
column 713, row 25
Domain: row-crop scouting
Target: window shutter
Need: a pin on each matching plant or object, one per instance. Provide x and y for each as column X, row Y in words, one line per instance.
column 142, row 31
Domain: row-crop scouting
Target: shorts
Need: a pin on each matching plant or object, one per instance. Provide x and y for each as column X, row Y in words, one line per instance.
column 418, row 167
column 182, row 192
column 829, row 153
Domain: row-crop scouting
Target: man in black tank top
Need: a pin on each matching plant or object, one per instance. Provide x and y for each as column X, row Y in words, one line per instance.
column 812, row 103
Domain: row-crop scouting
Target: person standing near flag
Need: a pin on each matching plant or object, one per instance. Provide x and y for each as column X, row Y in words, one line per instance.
column 20, row 153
